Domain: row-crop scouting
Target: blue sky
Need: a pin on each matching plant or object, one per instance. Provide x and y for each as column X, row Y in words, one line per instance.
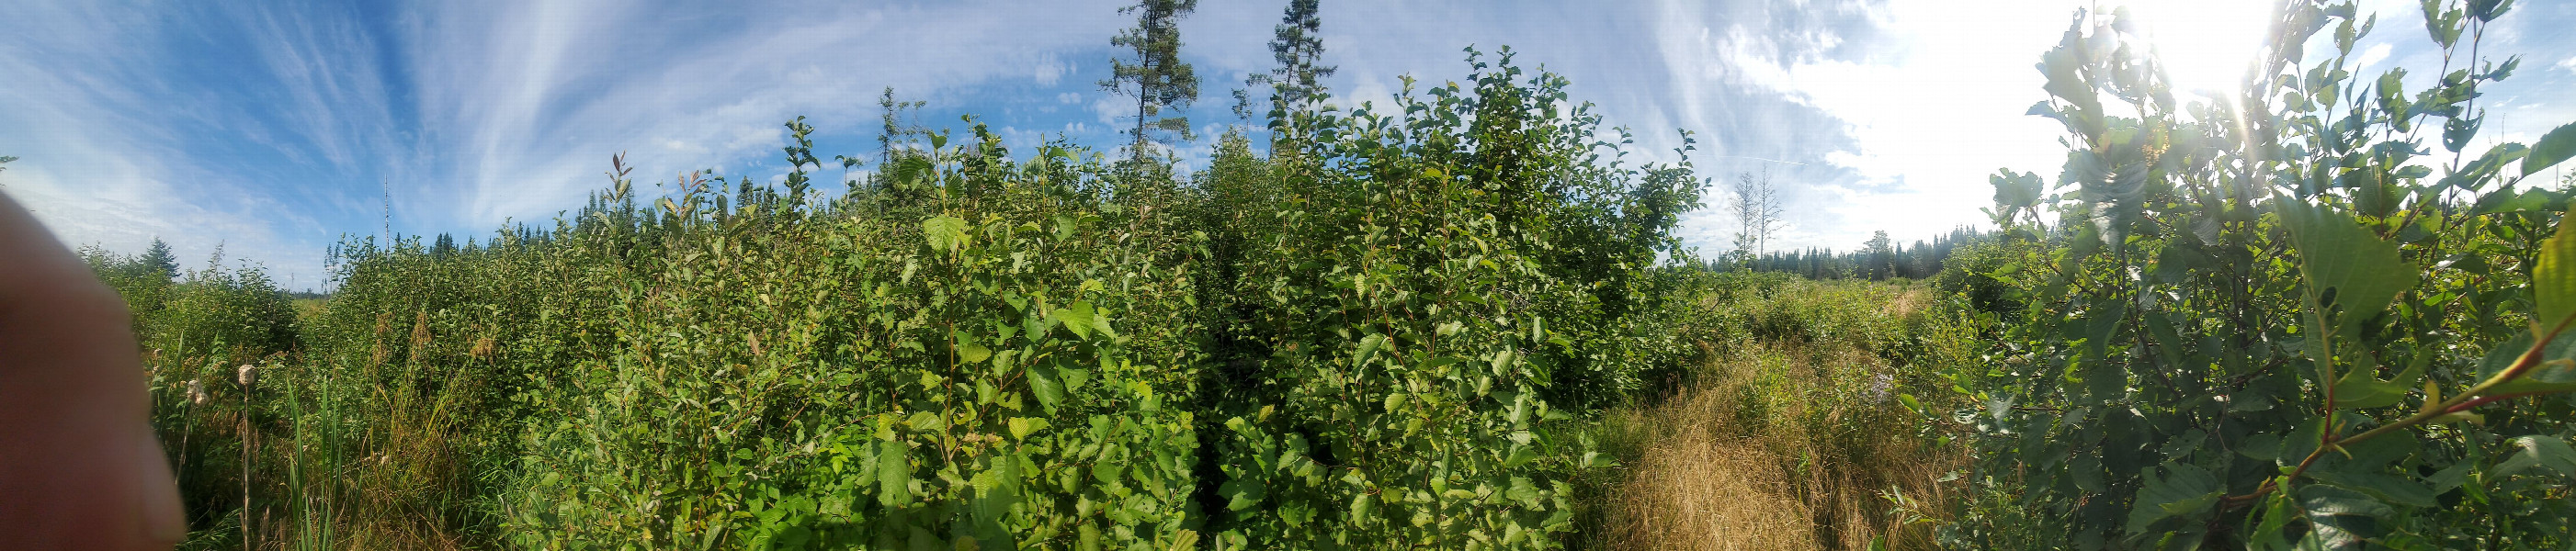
column 274, row 128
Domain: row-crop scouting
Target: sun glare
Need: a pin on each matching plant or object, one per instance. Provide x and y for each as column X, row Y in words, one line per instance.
column 2205, row 44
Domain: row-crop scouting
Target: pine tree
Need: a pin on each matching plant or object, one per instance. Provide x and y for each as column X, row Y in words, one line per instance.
column 1156, row 77
column 1298, row 45
column 157, row 260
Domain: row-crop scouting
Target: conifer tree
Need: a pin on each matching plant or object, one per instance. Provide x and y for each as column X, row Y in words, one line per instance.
column 157, row 260
column 1156, row 77
column 1298, row 45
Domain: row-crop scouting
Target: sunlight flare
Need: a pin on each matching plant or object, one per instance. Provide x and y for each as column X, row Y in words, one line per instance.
column 2205, row 44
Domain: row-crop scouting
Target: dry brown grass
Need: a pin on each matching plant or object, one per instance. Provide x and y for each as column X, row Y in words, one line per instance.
column 1773, row 449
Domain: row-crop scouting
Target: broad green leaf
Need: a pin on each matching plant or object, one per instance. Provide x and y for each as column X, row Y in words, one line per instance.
column 997, row 492
column 1044, row 386
column 1100, row 322
column 969, row 352
column 2550, row 452
column 2360, row 388
column 2449, row 478
column 2511, row 200
column 1241, row 493
column 2556, row 373
column 2554, row 147
column 2351, row 273
column 1369, row 346
column 944, row 233
column 2184, row 491
column 1077, row 317
column 2016, row 190
column 2553, row 280
column 1021, row 427
column 2338, row 514
column 925, row 421
column 1073, row 378
column 894, row 475
column 2479, row 172
column 2384, row 487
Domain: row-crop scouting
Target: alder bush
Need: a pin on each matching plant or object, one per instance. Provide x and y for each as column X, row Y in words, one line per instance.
column 2309, row 314
column 1387, row 332
column 1453, row 283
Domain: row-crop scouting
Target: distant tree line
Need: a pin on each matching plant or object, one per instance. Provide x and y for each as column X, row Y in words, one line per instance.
column 1877, row 259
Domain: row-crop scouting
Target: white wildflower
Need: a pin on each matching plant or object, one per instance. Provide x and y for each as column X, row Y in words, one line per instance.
column 1879, row 386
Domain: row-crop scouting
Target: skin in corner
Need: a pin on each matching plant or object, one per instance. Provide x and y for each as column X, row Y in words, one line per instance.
column 79, row 465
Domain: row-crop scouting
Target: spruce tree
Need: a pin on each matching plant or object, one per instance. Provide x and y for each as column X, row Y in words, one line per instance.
column 158, row 261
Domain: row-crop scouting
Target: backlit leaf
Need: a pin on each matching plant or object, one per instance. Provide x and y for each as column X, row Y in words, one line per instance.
column 2554, row 147
column 2553, row 281
column 944, row 233
column 2351, row 273
column 1021, row 427
column 1077, row 317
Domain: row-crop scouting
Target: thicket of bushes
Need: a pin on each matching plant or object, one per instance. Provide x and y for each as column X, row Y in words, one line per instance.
column 2279, row 319
column 1380, row 336
column 2265, row 323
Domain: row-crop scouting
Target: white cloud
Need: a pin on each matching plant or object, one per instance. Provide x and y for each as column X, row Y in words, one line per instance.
column 104, row 147
column 1050, row 70
column 1883, row 115
column 2371, row 57
column 1936, row 115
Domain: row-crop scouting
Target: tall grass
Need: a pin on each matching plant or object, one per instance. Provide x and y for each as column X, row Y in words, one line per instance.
column 1793, row 431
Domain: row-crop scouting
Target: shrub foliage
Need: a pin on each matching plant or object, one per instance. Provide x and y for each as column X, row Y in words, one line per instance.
column 1376, row 336
column 2308, row 315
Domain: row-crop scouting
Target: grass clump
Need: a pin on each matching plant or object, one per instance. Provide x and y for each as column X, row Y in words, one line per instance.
column 1794, row 431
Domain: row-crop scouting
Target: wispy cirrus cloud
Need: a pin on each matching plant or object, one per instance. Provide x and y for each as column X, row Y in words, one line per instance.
column 274, row 128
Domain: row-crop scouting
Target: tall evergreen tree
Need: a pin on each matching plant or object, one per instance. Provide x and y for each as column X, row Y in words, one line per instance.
column 1298, row 45
column 1156, row 77
column 157, row 260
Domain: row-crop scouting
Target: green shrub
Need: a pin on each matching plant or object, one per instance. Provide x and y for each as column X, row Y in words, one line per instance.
column 2278, row 320
column 1451, row 284
column 1385, row 336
